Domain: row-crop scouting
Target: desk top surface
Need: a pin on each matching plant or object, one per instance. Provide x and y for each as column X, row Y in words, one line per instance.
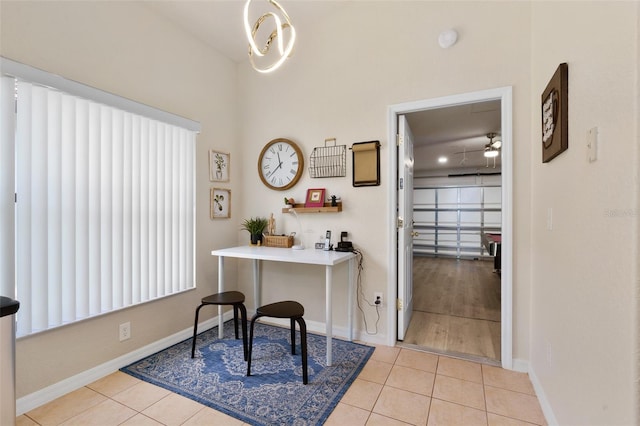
column 276, row 254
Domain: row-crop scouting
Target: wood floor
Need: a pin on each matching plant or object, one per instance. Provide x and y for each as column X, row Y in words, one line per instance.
column 456, row 308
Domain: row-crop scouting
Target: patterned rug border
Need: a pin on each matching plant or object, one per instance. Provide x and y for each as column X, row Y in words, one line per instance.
column 208, row 339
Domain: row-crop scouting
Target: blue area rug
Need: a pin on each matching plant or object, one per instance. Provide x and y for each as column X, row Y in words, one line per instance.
column 274, row 393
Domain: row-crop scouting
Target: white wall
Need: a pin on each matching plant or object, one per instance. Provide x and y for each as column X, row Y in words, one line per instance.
column 574, row 286
column 123, row 48
column 574, row 301
column 346, row 71
column 584, row 271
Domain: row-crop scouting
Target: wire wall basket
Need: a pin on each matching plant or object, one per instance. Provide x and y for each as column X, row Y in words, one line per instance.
column 328, row 161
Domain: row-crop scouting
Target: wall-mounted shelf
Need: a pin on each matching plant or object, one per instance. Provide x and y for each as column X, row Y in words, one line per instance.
column 327, row 208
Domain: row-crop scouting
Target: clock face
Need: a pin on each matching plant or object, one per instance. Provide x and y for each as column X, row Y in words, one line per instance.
column 280, row 164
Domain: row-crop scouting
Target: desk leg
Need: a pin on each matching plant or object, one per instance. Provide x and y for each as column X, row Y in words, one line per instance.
column 220, row 290
column 256, row 283
column 328, row 312
column 350, row 299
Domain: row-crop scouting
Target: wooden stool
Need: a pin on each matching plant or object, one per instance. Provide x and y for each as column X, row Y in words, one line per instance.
column 289, row 309
column 234, row 298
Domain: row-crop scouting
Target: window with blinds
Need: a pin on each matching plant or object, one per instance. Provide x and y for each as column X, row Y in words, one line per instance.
column 105, row 206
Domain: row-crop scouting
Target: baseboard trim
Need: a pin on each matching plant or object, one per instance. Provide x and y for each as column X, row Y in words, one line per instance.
column 520, row 365
column 549, row 415
column 524, row 366
column 312, row 326
column 63, row 387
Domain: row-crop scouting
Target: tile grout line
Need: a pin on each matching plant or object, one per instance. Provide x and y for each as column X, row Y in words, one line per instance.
column 484, row 394
column 194, row 414
column 504, row 384
column 371, row 412
column 433, row 388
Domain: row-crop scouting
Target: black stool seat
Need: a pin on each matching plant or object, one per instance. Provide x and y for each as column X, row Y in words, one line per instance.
column 234, row 298
column 287, row 309
column 225, row 298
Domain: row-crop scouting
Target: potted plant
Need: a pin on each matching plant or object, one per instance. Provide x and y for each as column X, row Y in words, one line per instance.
column 289, row 202
column 255, row 227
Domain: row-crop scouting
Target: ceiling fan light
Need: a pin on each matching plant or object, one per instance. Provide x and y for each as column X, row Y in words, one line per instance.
column 492, row 149
column 491, row 153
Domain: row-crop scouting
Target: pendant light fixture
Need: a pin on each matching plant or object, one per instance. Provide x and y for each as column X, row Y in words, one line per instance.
column 281, row 28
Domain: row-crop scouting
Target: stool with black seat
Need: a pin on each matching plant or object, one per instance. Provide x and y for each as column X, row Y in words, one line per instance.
column 288, row 309
column 234, row 298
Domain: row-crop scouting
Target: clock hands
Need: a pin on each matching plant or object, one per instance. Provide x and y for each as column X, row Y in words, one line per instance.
column 279, row 163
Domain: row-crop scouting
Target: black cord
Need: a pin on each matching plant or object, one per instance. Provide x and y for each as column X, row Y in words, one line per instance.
column 360, row 295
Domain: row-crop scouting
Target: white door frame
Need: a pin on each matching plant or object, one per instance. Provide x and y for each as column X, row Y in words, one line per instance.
column 504, row 94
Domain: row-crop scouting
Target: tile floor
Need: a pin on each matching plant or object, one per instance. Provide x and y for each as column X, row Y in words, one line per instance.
column 398, row 386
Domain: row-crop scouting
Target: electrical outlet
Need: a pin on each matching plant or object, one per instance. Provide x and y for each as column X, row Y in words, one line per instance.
column 377, row 298
column 125, row 331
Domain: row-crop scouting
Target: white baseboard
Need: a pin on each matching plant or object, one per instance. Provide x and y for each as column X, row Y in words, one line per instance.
column 549, row 415
column 524, row 367
column 373, row 339
column 48, row 394
column 520, row 365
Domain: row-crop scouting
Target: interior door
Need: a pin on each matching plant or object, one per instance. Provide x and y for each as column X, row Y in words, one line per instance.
column 405, row 226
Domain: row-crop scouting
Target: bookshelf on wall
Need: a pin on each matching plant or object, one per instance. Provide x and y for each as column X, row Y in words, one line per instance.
column 450, row 220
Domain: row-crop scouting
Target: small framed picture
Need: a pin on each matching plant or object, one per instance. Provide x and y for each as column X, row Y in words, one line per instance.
column 220, row 203
column 555, row 114
column 219, row 163
column 315, row 198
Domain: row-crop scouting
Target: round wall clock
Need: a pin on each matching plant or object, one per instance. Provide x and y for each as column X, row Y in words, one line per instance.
column 280, row 164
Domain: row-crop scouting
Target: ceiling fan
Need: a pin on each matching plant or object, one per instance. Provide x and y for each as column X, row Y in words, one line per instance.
column 492, row 149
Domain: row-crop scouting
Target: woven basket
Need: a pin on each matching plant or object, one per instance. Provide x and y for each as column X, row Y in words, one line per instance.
column 278, row 241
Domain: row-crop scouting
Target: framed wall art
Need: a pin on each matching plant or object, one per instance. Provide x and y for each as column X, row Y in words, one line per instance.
column 219, row 163
column 220, row 203
column 555, row 114
column 366, row 163
column 315, row 198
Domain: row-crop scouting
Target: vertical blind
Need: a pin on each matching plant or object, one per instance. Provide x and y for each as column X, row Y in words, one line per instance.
column 7, row 187
column 105, row 208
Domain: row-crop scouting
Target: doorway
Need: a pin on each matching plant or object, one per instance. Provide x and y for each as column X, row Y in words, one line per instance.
column 398, row 288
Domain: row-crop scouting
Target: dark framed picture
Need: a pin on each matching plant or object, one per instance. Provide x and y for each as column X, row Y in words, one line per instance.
column 555, row 109
column 315, row 198
column 366, row 163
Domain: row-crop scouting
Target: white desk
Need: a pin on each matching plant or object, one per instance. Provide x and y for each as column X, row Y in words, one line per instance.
column 307, row 256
